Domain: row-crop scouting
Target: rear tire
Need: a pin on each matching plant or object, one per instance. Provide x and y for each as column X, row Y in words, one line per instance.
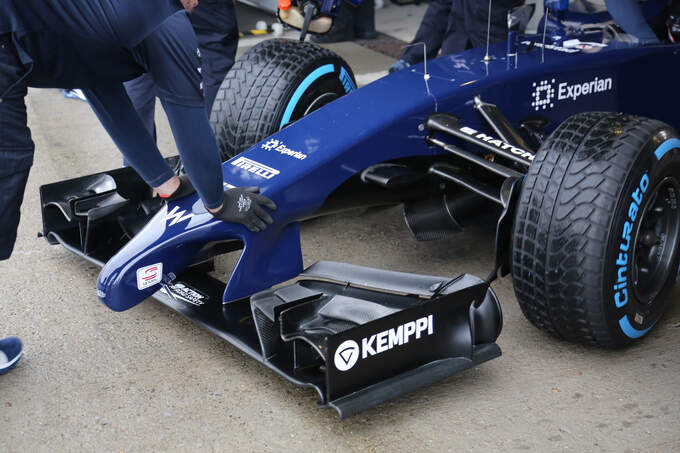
column 596, row 235
column 273, row 84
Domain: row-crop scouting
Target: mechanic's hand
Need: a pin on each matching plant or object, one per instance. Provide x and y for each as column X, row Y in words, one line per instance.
column 244, row 205
column 189, row 5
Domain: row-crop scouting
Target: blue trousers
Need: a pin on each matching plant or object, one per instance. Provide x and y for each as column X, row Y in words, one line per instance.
column 170, row 57
column 16, row 146
column 214, row 22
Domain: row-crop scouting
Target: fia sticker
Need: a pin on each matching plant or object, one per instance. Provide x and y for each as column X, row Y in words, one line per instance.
column 149, row 275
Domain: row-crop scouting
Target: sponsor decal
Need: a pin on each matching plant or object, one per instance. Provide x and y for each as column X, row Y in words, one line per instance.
column 347, row 355
column 573, row 92
column 278, row 146
column 255, row 168
column 149, row 275
column 176, row 216
column 621, row 285
column 547, row 92
column 185, row 293
column 349, row 352
column 552, row 47
column 497, row 143
column 543, row 95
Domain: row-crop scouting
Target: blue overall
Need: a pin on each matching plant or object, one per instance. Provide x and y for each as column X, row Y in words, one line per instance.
column 214, row 22
column 629, row 15
column 97, row 45
column 456, row 25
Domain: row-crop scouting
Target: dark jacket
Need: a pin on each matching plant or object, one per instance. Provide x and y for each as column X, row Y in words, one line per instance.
column 122, row 22
column 81, row 43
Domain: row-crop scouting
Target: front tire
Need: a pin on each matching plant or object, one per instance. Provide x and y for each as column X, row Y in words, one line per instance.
column 597, row 232
column 274, row 84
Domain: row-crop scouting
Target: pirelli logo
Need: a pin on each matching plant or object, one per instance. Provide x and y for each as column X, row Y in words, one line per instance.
column 255, row 168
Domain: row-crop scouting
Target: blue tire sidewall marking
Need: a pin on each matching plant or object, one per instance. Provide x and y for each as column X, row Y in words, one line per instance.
column 311, row 78
column 345, row 80
column 630, row 331
column 665, row 147
column 624, row 323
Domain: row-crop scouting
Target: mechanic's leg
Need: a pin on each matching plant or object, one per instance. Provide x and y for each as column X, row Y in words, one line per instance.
column 112, row 106
column 214, row 22
column 170, row 54
column 431, row 32
column 16, row 146
column 199, row 150
column 343, row 26
column 142, row 94
column 364, row 24
column 628, row 15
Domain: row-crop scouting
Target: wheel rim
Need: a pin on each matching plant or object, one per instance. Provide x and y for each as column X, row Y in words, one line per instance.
column 656, row 241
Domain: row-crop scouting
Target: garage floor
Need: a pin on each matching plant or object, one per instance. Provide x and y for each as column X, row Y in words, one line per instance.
column 148, row 380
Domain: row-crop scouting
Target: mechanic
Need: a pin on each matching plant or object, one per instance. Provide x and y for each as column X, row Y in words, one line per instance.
column 97, row 45
column 456, row 25
column 352, row 22
column 214, row 23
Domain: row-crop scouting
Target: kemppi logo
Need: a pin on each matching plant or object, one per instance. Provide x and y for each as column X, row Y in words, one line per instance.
column 348, row 353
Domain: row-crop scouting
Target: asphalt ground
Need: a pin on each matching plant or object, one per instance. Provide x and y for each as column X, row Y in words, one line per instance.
column 147, row 379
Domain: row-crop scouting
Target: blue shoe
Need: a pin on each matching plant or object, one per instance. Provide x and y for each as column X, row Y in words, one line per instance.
column 10, row 353
column 398, row 66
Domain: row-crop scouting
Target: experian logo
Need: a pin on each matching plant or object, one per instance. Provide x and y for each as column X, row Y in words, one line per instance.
column 348, row 353
column 573, row 92
column 544, row 92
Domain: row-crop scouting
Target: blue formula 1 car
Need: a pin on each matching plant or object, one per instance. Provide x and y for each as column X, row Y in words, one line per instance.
column 587, row 205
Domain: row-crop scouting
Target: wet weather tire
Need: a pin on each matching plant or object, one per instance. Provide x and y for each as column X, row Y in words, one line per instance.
column 273, row 84
column 597, row 230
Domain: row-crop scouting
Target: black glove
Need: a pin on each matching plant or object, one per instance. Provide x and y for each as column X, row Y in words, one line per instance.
column 244, row 205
